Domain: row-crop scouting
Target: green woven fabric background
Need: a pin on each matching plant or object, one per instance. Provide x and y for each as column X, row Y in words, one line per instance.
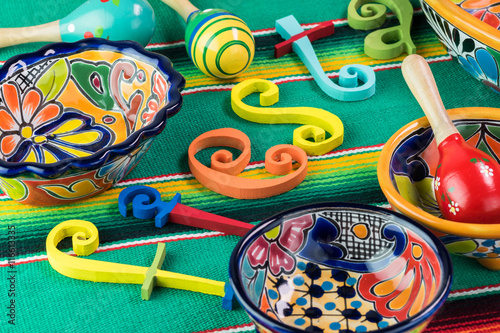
column 49, row 302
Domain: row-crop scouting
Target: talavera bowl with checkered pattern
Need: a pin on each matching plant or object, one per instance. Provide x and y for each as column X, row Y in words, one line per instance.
column 340, row 267
column 75, row 118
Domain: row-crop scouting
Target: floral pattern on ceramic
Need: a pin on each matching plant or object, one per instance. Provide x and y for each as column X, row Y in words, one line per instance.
column 453, row 198
column 414, row 164
column 345, row 270
column 473, row 248
column 119, row 168
column 477, row 58
column 419, row 273
column 75, row 118
column 36, row 132
column 274, row 250
column 487, row 11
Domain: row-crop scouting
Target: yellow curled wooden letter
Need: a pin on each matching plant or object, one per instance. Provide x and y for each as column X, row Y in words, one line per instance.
column 316, row 121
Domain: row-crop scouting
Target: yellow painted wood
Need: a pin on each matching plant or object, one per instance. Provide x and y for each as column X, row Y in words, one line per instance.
column 85, row 238
column 316, row 121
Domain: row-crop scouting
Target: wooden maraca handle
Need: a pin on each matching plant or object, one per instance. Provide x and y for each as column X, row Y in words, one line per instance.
column 48, row 32
column 419, row 78
column 183, row 7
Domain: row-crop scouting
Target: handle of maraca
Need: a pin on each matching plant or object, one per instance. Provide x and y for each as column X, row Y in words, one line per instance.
column 183, row 7
column 48, row 32
column 419, row 78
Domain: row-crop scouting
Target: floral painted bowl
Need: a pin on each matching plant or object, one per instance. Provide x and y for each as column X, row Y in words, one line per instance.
column 487, row 11
column 465, row 27
column 336, row 267
column 406, row 170
column 75, row 118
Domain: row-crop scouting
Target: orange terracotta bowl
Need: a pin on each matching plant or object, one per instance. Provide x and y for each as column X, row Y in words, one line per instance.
column 469, row 30
column 406, row 172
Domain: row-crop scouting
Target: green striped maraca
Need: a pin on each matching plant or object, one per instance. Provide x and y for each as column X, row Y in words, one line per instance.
column 219, row 43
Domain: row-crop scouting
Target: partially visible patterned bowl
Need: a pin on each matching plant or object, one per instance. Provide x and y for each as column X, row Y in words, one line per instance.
column 473, row 42
column 406, row 170
column 75, row 118
column 335, row 267
column 486, row 10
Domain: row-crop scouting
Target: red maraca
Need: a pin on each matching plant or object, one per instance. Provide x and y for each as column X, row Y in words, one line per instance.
column 467, row 182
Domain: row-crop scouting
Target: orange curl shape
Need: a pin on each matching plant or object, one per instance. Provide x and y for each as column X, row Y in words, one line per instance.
column 222, row 178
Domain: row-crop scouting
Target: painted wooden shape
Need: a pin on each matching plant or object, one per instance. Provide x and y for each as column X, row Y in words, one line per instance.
column 85, row 238
column 384, row 43
column 146, row 203
column 316, row 121
column 222, row 177
column 347, row 89
column 322, row 30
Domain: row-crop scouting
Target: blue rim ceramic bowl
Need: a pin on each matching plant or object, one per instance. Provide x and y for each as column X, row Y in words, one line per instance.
column 340, row 267
column 474, row 43
column 75, row 118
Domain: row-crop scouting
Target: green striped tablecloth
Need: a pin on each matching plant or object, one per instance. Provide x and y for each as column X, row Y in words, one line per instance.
column 46, row 301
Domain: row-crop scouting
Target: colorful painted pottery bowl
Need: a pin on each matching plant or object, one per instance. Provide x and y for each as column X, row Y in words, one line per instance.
column 470, row 40
column 406, row 170
column 487, row 11
column 75, row 118
column 340, row 267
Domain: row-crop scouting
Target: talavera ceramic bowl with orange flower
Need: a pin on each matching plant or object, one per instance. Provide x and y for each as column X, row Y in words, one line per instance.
column 406, row 170
column 340, row 267
column 75, row 118
column 469, row 30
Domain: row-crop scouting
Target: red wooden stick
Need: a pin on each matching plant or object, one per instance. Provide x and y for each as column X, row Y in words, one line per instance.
column 185, row 215
column 146, row 203
column 322, row 30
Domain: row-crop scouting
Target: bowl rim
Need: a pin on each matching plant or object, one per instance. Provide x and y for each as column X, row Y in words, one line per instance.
column 468, row 230
column 466, row 22
column 420, row 318
column 100, row 157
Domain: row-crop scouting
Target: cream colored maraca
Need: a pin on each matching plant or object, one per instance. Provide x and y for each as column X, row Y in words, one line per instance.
column 467, row 182
column 218, row 42
column 94, row 18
